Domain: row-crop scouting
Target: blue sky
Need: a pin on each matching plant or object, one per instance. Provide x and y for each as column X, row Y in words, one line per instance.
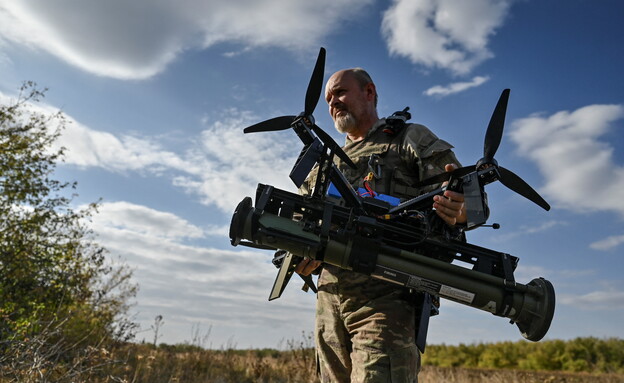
column 158, row 93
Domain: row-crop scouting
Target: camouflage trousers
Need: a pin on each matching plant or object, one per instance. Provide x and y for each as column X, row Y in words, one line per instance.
column 364, row 330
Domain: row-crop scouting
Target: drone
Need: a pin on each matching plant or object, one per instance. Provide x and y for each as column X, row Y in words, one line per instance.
column 394, row 242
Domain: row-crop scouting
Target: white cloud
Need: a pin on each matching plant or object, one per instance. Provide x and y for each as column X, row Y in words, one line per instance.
column 603, row 300
column 528, row 230
column 188, row 284
column 579, row 168
column 140, row 219
column 138, row 39
column 608, row 243
column 575, row 274
column 217, row 231
column 222, row 168
column 449, row 34
column 457, row 87
column 228, row 164
column 542, row 227
column 87, row 147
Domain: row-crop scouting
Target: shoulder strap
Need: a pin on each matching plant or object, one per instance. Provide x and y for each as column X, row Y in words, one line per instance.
column 397, row 121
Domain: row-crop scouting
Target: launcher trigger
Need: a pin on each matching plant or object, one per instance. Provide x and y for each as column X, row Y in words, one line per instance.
column 309, row 284
column 287, row 262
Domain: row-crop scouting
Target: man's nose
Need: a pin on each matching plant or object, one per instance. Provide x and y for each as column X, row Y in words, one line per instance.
column 330, row 100
column 334, row 102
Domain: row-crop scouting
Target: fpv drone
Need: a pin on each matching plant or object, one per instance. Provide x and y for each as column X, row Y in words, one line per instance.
column 393, row 242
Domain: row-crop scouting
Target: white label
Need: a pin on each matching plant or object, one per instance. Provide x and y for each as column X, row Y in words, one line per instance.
column 457, row 294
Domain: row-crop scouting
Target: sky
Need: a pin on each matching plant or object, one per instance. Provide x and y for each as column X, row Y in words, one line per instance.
column 157, row 94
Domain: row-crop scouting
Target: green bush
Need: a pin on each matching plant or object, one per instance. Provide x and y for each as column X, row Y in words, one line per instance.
column 577, row 355
column 60, row 298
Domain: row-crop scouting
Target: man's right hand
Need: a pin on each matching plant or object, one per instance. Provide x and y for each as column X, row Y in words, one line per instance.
column 307, row 266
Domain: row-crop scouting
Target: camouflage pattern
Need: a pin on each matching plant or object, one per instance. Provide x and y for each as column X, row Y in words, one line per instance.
column 412, row 155
column 365, row 328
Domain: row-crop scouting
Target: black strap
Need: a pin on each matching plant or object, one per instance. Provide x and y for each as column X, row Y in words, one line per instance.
column 510, row 284
column 364, row 252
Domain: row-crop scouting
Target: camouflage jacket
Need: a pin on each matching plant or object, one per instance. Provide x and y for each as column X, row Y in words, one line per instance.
column 398, row 161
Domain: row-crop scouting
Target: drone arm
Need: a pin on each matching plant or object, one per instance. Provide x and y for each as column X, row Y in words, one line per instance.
column 351, row 198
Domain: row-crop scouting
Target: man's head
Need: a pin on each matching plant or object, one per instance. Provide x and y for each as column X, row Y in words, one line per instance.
column 352, row 99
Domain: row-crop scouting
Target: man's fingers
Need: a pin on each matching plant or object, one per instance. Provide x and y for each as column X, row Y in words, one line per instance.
column 307, row 266
column 454, row 196
column 449, row 168
column 449, row 216
column 449, row 206
column 450, row 200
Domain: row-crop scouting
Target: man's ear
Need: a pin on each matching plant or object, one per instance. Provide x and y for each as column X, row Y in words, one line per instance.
column 371, row 91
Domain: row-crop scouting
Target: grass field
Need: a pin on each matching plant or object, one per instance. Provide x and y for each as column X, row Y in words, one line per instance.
column 145, row 363
column 134, row 363
column 298, row 365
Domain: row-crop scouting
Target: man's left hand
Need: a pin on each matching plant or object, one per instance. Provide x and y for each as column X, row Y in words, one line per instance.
column 450, row 206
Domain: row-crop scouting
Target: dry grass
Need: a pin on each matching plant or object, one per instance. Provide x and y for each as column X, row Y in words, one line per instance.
column 143, row 363
column 146, row 364
column 160, row 365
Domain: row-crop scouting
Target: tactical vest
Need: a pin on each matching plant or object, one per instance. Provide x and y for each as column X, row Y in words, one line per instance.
column 395, row 171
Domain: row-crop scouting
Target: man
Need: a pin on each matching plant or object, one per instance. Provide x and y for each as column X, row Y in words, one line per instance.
column 365, row 328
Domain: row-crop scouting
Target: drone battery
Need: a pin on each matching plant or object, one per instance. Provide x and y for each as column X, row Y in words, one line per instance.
column 333, row 192
column 394, row 201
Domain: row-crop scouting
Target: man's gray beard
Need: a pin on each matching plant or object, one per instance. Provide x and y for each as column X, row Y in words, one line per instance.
column 346, row 123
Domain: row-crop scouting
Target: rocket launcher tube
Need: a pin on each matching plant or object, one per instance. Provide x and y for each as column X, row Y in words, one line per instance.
column 530, row 306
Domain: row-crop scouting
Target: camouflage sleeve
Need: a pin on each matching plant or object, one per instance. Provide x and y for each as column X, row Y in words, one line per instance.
column 425, row 151
column 430, row 154
column 306, row 187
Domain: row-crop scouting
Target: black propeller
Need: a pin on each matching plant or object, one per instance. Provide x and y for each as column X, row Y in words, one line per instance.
column 316, row 84
column 313, row 94
column 517, row 184
column 274, row 124
column 311, row 100
column 493, row 137
column 494, row 132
